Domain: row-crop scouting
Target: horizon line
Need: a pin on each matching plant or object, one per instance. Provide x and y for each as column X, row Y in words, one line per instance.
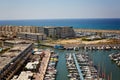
column 56, row 19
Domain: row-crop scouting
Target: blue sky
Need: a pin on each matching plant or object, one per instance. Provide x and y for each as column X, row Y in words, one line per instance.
column 54, row 9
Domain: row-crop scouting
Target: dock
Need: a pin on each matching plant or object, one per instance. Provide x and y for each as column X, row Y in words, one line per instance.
column 78, row 67
column 81, row 68
column 42, row 69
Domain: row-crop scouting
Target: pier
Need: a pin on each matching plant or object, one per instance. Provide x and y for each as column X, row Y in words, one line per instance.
column 78, row 67
column 43, row 66
column 51, row 70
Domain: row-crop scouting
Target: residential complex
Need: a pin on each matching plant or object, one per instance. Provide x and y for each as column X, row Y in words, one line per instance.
column 31, row 36
column 36, row 33
column 60, row 32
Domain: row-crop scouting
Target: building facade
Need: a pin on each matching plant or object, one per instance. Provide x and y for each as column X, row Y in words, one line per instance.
column 67, row 32
column 31, row 36
column 60, row 32
column 53, row 32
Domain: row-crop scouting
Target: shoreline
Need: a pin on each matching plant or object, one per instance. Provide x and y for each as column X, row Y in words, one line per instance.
column 96, row 30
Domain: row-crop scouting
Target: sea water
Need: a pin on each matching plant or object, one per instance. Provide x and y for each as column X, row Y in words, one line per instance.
column 106, row 24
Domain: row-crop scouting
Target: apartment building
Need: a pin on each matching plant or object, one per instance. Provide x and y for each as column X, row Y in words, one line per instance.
column 59, row 32
column 50, row 31
column 31, row 36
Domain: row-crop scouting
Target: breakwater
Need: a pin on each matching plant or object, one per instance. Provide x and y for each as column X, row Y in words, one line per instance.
column 88, row 46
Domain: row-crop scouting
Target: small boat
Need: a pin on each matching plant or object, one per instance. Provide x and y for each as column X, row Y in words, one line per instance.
column 61, row 47
column 76, row 48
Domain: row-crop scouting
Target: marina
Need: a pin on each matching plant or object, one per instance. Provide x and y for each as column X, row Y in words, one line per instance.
column 60, row 40
column 99, row 58
column 78, row 67
column 78, row 59
column 71, row 65
column 89, row 70
column 72, row 68
column 51, row 69
column 81, row 68
column 43, row 66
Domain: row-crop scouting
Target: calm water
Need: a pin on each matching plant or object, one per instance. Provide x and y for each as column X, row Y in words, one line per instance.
column 107, row 24
column 99, row 57
column 61, row 67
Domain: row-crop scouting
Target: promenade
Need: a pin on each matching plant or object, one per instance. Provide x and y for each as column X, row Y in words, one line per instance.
column 43, row 66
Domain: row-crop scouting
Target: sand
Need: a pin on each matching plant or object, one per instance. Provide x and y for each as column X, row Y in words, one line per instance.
column 77, row 41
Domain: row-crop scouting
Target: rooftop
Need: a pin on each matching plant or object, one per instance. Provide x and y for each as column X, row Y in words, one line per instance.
column 50, row 27
column 11, row 54
column 25, row 75
column 16, row 41
column 32, row 33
